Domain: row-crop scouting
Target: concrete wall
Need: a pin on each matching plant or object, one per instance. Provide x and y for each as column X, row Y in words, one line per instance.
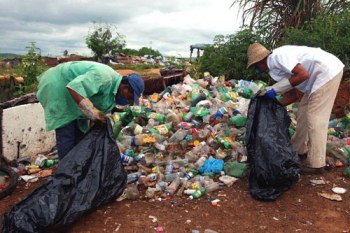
column 23, row 132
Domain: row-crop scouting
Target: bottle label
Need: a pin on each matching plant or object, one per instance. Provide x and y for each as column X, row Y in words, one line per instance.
column 148, row 138
column 162, row 129
column 137, row 109
column 138, row 129
column 115, row 117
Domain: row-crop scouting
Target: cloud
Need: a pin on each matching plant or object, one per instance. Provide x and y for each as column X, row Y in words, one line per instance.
column 168, row 26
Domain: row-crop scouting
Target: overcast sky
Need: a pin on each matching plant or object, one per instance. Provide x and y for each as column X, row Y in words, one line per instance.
column 169, row 26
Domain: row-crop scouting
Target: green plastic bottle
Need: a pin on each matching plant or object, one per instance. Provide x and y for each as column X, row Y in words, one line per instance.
column 49, row 162
column 199, row 193
column 225, row 142
column 139, row 110
column 238, row 121
column 161, row 129
column 156, row 116
column 196, row 91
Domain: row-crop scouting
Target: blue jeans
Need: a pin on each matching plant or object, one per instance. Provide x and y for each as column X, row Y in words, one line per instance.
column 67, row 137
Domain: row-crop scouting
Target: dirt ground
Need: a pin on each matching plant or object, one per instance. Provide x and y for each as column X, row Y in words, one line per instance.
column 300, row 209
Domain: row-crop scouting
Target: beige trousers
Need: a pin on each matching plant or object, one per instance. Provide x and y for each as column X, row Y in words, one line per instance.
column 312, row 123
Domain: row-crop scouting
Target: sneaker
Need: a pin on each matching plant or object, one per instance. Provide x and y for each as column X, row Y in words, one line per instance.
column 311, row 171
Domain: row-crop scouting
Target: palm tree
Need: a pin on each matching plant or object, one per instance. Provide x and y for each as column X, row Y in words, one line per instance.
column 271, row 17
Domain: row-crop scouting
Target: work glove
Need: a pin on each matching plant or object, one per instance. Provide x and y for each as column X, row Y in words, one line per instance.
column 91, row 112
column 277, row 89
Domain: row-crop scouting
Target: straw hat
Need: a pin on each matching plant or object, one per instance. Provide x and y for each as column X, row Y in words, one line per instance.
column 256, row 52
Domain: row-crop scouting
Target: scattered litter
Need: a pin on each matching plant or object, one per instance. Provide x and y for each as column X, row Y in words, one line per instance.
column 332, row 197
column 29, row 178
column 154, row 219
column 318, row 181
column 339, row 190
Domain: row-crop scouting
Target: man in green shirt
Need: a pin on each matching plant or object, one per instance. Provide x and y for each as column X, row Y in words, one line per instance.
column 73, row 93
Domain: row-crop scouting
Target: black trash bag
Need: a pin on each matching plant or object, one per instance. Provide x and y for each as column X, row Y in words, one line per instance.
column 90, row 175
column 274, row 163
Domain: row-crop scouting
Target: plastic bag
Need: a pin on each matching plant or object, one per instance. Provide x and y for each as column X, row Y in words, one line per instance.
column 273, row 162
column 212, row 165
column 90, row 175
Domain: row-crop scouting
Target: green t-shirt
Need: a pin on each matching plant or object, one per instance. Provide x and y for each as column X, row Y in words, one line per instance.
column 92, row 80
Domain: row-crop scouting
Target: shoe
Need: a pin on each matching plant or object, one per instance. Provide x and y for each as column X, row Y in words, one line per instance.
column 311, row 171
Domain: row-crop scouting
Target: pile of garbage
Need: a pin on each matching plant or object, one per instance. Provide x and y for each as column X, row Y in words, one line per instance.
column 189, row 139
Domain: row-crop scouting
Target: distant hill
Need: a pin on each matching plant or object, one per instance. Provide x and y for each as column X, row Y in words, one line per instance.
column 9, row 55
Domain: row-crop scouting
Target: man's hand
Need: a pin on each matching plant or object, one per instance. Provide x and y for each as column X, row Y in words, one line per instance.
column 92, row 113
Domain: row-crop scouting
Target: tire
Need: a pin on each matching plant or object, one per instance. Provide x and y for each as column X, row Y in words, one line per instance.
column 12, row 183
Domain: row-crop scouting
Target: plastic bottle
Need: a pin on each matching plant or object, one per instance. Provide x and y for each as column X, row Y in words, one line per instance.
column 133, row 177
column 212, row 187
column 198, row 99
column 189, row 191
column 150, row 192
column 132, row 192
column 126, row 160
column 50, row 162
column 169, row 168
column 156, row 116
column 221, row 112
column 40, row 160
column 166, row 90
column 143, row 139
column 161, row 186
column 172, row 118
column 199, row 193
column 238, row 120
column 161, row 129
column 225, row 142
column 188, row 116
column 127, row 141
column 200, row 162
column 185, row 125
column 171, row 189
column 179, row 135
column 171, row 177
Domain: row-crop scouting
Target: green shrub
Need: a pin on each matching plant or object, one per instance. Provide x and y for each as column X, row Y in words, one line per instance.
column 329, row 32
column 228, row 56
column 30, row 67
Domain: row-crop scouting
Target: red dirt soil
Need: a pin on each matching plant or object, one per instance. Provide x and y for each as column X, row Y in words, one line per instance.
column 300, row 209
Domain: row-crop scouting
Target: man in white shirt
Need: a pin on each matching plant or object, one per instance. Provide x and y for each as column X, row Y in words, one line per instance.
column 317, row 74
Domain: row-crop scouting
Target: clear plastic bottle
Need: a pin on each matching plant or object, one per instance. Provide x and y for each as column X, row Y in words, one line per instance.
column 132, row 192
column 200, row 162
column 212, row 187
column 179, row 135
column 169, row 168
column 150, row 192
column 133, row 177
column 188, row 117
column 171, row 189
column 171, row 177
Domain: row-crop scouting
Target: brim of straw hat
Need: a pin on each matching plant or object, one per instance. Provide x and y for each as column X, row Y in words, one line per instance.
column 257, row 53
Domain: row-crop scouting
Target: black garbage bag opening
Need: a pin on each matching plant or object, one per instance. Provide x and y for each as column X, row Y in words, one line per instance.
column 274, row 163
column 90, row 175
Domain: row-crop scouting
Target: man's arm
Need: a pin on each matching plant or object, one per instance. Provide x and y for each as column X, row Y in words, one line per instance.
column 86, row 106
column 299, row 75
column 76, row 97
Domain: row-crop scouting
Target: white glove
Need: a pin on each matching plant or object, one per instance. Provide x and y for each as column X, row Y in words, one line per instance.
column 282, row 86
